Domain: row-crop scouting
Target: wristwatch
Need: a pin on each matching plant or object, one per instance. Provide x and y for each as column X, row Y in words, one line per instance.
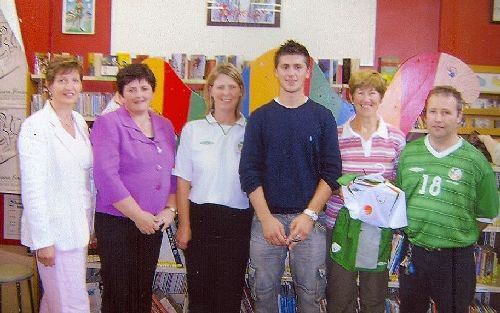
column 311, row 214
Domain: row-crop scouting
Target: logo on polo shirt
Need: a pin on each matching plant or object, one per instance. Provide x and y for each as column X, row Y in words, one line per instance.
column 206, row 142
column 455, row 173
column 416, row 169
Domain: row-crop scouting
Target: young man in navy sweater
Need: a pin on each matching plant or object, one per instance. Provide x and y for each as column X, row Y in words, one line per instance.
column 289, row 166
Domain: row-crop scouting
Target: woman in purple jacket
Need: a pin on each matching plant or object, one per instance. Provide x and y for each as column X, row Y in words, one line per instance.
column 134, row 152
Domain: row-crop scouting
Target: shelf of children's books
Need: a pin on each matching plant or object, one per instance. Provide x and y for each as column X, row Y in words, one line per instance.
column 464, row 131
column 492, row 229
column 479, row 287
column 340, row 86
column 484, row 112
column 194, row 81
column 159, row 268
column 88, row 78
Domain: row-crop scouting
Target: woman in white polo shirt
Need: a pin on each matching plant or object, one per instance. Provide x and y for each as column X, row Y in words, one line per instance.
column 214, row 214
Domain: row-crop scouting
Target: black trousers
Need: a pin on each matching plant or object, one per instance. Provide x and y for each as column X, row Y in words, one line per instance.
column 447, row 276
column 216, row 257
column 128, row 263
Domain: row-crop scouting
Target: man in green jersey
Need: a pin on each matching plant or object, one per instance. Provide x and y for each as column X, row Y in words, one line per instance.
column 451, row 196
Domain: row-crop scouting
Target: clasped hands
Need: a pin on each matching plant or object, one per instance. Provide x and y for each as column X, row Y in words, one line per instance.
column 148, row 223
column 274, row 231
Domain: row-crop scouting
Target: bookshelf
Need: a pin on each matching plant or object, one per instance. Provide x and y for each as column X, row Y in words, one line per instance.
column 479, row 287
column 39, row 77
column 159, row 268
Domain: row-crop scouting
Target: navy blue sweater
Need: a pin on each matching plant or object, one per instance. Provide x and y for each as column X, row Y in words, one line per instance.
column 287, row 151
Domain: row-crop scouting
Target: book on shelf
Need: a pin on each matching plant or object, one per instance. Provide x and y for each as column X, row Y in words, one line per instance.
column 220, row 59
column 246, row 301
column 349, row 66
column 210, row 65
column 338, row 75
column 237, row 61
column 172, row 284
column 176, row 252
column 139, row 58
column 109, row 65
column 165, row 302
column 388, row 66
column 40, row 62
column 325, row 65
column 178, row 63
column 197, row 66
column 123, row 59
column 94, row 62
column 95, row 296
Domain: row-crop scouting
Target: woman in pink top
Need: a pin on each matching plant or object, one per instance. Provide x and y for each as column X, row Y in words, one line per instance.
column 134, row 152
column 367, row 145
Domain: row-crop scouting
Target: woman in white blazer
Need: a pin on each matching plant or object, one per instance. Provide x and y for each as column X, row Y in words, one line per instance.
column 56, row 162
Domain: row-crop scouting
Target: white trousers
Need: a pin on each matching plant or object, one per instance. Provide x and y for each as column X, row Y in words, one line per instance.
column 64, row 286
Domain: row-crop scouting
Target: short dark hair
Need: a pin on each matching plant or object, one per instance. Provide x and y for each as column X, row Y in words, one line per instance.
column 447, row 91
column 62, row 64
column 131, row 72
column 291, row 47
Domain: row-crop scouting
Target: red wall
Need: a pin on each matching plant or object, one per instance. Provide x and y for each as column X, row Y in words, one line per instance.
column 41, row 25
column 406, row 28
column 467, row 33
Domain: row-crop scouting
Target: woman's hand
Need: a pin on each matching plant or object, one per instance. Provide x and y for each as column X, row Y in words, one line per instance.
column 46, row 255
column 165, row 217
column 183, row 236
column 145, row 222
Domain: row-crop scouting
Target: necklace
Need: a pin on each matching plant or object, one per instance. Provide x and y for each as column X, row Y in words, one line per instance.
column 225, row 132
column 65, row 123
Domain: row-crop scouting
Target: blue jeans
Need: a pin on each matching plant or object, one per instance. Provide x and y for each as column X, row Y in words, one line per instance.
column 307, row 264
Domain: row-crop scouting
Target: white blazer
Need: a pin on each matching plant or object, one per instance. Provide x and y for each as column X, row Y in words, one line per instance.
column 55, row 183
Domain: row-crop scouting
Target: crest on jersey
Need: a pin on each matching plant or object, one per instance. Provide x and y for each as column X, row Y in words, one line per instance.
column 455, row 173
column 416, row 169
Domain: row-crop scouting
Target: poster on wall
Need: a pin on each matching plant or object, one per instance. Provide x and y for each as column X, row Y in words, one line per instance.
column 256, row 13
column 78, row 17
column 13, row 209
column 13, row 90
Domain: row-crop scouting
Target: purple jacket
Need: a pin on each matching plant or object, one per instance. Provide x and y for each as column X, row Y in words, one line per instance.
column 127, row 163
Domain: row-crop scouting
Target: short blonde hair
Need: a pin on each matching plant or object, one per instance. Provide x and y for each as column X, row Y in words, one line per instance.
column 231, row 71
column 367, row 78
column 62, row 65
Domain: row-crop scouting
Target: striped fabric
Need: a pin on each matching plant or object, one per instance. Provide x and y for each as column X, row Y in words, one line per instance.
column 379, row 154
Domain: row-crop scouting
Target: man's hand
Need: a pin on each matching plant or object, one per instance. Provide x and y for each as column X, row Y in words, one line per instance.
column 273, row 231
column 300, row 228
column 46, row 255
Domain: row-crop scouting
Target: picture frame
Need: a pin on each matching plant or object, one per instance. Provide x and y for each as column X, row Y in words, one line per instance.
column 495, row 11
column 78, row 17
column 253, row 13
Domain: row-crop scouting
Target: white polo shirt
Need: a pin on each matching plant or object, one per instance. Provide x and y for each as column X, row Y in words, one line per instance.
column 209, row 157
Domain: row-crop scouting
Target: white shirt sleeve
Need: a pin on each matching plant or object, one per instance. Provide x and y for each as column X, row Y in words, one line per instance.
column 183, row 160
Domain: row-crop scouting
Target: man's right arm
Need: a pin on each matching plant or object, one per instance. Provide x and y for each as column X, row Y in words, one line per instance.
column 251, row 172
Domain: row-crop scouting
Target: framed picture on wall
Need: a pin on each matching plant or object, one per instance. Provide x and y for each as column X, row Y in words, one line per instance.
column 78, row 17
column 255, row 13
column 495, row 11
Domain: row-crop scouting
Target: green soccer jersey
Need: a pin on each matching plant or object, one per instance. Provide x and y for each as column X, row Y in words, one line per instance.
column 445, row 193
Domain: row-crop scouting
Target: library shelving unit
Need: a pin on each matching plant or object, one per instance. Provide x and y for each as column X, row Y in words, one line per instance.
column 195, row 84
